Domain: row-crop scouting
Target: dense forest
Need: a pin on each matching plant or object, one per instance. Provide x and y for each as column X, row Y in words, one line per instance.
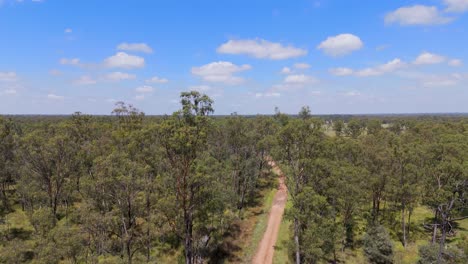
column 128, row 188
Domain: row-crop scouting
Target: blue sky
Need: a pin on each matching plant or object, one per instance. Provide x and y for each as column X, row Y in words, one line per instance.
column 389, row 56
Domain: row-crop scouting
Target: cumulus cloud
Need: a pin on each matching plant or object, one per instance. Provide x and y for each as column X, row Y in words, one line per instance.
column 299, row 79
column 261, row 49
column 157, row 79
column 456, row 6
column 144, row 89
column 55, row 97
column 429, row 58
column 119, row 76
column 286, row 70
column 391, row 66
column 417, row 15
column 301, row 66
column 8, row 77
column 124, row 60
column 455, row 63
column 220, row 72
column 135, row 47
column 84, row 80
column 341, row 45
column 388, row 67
column 342, row 71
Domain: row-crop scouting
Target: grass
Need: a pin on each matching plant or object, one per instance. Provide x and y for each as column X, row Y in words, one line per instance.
column 281, row 255
column 260, row 226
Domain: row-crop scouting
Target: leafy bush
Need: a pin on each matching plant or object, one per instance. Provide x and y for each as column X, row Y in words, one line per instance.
column 378, row 246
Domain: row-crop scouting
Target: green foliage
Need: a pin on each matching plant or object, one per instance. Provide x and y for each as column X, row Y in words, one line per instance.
column 378, row 246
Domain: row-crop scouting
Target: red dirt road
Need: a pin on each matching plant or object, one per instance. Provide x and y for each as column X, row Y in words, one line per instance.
column 265, row 250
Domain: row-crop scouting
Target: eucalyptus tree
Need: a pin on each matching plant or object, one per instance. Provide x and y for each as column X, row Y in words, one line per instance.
column 184, row 138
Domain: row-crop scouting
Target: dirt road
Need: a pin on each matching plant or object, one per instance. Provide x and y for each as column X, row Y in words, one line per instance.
column 265, row 250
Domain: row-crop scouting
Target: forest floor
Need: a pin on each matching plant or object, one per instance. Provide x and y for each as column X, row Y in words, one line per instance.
column 266, row 247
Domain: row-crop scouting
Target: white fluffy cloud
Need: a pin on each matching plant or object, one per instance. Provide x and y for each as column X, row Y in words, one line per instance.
column 68, row 30
column 388, row 67
column 84, row 80
column 455, row 63
column 157, row 79
column 144, row 89
column 341, row 71
column 341, row 44
column 124, row 60
column 221, row 72
column 119, row 76
column 442, row 80
column 8, row 77
column 301, row 66
column 261, row 49
column 299, row 79
column 135, row 47
column 55, row 97
column 391, row 66
column 457, row 6
column 429, row 58
column 286, row 70
column 417, row 15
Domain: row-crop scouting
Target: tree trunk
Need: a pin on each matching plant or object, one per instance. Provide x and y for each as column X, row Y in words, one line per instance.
column 188, row 237
column 296, row 241
column 403, row 224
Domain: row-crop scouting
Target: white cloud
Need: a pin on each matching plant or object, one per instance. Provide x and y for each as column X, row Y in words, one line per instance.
column 200, row 88
column 301, row 66
column 68, row 30
column 144, row 89
column 221, row 72
column 84, row 80
column 267, row 94
column 442, row 80
column 391, row 66
column 341, row 71
column 55, row 97
column 156, row 79
column 429, row 58
column 286, row 70
column 299, row 79
column 341, row 44
column 261, row 49
column 73, row 61
column 8, row 77
column 135, row 47
column 456, row 6
column 455, row 63
column 417, row 15
column 124, row 60
column 119, row 76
